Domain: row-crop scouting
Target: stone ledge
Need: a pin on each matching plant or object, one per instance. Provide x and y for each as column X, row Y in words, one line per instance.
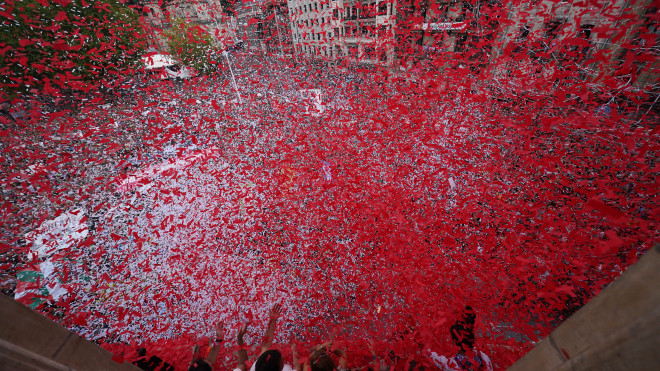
column 30, row 341
column 619, row 329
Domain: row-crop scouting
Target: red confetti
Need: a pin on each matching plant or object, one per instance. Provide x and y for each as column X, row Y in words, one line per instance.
column 372, row 167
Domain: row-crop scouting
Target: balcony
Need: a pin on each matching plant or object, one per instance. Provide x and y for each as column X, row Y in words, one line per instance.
column 444, row 26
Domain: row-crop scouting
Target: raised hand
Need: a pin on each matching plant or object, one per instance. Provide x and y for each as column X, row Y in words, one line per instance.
column 241, row 333
column 275, row 312
column 220, row 331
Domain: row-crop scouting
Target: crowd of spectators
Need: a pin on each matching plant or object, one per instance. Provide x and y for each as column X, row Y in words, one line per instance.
column 328, row 356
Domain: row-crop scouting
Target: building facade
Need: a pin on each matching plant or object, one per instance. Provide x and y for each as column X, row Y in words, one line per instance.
column 346, row 30
column 311, row 29
column 265, row 25
column 551, row 39
column 596, row 41
column 250, row 24
column 277, row 27
column 205, row 13
column 549, row 36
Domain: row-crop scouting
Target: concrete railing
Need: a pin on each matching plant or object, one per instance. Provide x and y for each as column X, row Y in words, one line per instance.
column 30, row 341
column 619, row 329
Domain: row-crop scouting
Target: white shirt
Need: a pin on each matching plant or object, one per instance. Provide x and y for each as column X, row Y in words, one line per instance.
column 450, row 364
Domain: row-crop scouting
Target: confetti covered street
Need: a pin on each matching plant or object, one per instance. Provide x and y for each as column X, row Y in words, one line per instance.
column 376, row 204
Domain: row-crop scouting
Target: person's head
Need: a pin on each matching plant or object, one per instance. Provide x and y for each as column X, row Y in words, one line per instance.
column 270, row 360
column 469, row 316
column 462, row 336
column 322, row 360
column 200, row 364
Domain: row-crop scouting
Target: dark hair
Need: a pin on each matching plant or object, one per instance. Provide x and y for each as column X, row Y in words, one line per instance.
column 270, row 360
column 321, row 360
column 461, row 334
column 200, row 364
column 469, row 316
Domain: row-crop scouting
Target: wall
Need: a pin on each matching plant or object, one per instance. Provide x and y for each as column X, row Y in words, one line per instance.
column 619, row 329
column 30, row 341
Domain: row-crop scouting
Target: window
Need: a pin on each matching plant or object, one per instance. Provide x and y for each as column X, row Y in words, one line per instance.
column 524, row 32
column 585, row 31
column 461, row 40
column 364, row 31
column 353, row 51
column 369, row 11
column 335, row 13
column 552, row 29
column 382, row 8
column 463, row 12
column 521, row 39
column 382, row 30
column 369, row 52
column 351, row 13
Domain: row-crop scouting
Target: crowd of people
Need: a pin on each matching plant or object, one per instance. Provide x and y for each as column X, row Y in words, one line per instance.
column 328, row 356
